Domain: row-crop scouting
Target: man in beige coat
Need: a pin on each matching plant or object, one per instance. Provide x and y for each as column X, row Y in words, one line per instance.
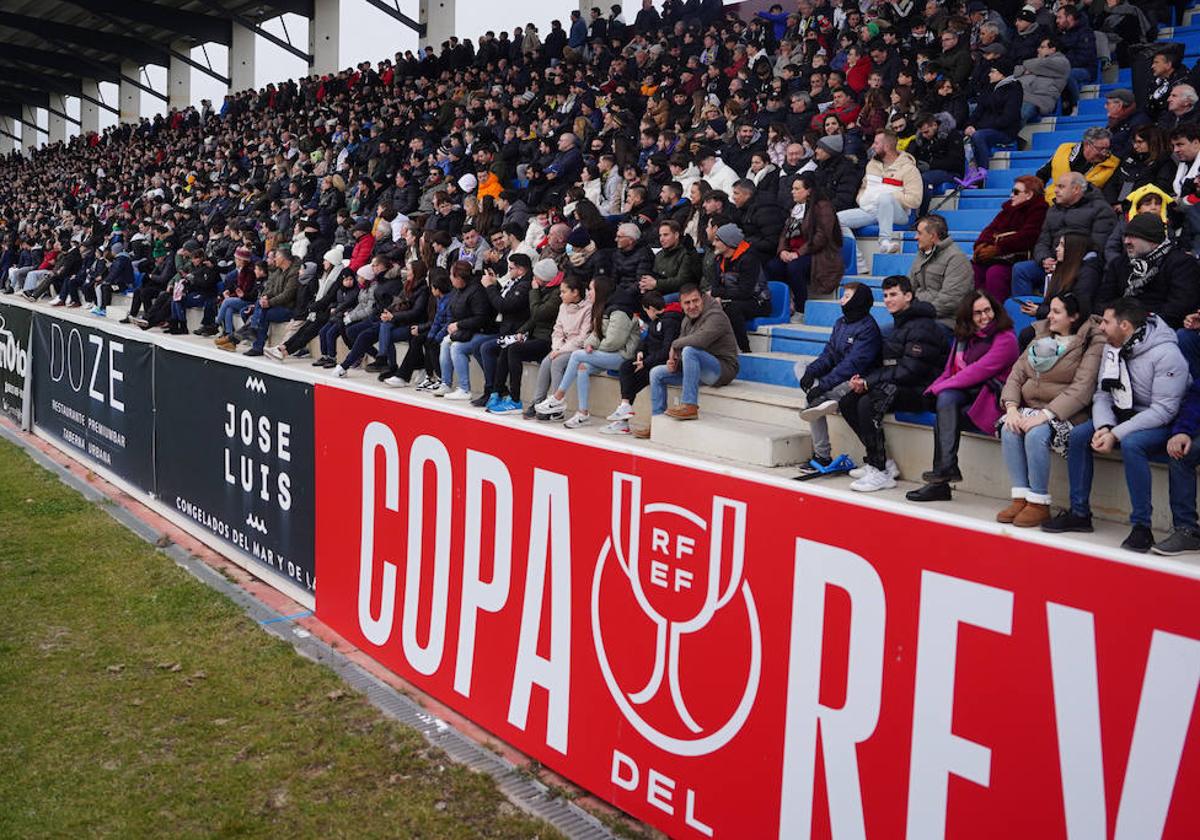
column 941, row 274
column 891, row 190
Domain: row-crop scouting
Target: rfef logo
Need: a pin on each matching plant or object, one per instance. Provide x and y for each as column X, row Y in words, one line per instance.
column 683, row 571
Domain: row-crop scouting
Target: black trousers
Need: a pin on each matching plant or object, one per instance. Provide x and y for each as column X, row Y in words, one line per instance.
column 510, row 364
column 632, row 380
column 301, row 337
column 861, row 412
column 740, row 311
column 422, row 352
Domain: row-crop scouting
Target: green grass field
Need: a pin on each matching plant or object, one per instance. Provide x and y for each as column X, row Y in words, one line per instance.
column 136, row 702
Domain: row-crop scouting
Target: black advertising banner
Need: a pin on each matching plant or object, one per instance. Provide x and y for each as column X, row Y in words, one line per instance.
column 234, row 453
column 94, row 391
column 15, row 322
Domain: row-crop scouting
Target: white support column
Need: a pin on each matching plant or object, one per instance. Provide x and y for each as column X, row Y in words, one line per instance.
column 130, row 95
column 438, row 17
column 179, row 78
column 57, row 125
column 29, row 132
column 6, row 142
column 241, row 59
column 323, row 32
column 89, row 112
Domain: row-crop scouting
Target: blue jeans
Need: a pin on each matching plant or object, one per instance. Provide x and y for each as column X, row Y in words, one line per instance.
column 191, row 300
column 1029, row 112
column 982, row 142
column 696, row 366
column 1027, row 457
column 1028, row 278
column 593, row 362
column 1189, row 346
column 1136, row 450
column 488, row 356
column 1079, row 76
column 360, row 338
column 262, row 320
column 386, row 342
column 230, row 307
column 460, row 358
column 327, row 336
column 1182, row 479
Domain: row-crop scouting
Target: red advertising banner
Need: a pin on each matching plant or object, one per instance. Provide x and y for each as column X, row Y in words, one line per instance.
column 724, row 657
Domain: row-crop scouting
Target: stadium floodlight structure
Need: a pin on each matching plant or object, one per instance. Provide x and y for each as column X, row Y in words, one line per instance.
column 56, row 49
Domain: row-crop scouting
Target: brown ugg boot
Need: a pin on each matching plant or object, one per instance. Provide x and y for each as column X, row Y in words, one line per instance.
column 1032, row 515
column 1010, row 513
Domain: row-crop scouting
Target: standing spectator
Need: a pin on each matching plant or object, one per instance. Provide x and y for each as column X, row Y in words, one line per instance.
column 1141, row 382
column 1048, row 393
column 705, row 353
column 1009, row 237
column 966, row 392
column 1079, row 45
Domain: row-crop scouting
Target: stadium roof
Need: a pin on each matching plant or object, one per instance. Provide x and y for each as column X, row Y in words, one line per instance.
column 48, row 46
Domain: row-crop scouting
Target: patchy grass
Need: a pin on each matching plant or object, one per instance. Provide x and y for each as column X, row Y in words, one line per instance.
column 136, row 702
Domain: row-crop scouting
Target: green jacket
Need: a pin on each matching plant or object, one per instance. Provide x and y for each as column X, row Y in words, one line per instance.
column 674, row 267
column 282, row 284
column 620, row 335
column 543, row 312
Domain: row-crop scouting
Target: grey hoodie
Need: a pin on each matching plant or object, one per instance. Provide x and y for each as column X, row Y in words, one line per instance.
column 1158, row 374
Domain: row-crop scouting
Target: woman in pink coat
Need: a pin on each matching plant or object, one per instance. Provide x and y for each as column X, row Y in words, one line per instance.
column 985, row 347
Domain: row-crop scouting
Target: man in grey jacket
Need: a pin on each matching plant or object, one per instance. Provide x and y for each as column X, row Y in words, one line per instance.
column 1141, row 383
column 941, row 274
column 1043, row 79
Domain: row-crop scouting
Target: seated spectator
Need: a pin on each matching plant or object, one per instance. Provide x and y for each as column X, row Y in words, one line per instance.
column 1077, row 269
column 1077, row 206
column 1183, row 449
column 996, row 119
column 509, row 299
column 704, row 354
column 1048, row 393
column 119, row 277
column 675, row 264
column 1091, row 157
column 912, row 355
column 572, row 326
column 809, row 250
column 759, row 216
column 665, row 321
column 612, row 341
column 1164, row 278
column 1147, row 163
column 335, row 327
column 1149, row 199
column 852, row 351
column 1165, row 74
column 65, row 267
column 274, row 306
column 890, row 191
column 238, row 291
column 336, row 295
column 1079, row 45
column 630, row 262
column 966, row 392
column 718, row 174
column 362, row 322
column 425, row 339
column 1181, row 108
column 1124, row 116
column 1142, row 379
column 941, row 273
column 472, row 319
column 198, row 289
column 938, row 150
column 1010, row 237
column 1043, row 78
column 364, row 244
column 73, row 282
column 1185, row 188
column 531, row 341
column 838, row 175
column 739, row 283
column 399, row 300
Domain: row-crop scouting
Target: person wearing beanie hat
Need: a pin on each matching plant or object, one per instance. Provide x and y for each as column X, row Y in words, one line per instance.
column 996, row 120
column 1161, row 276
column 833, row 144
column 579, row 237
column 739, row 282
column 852, row 350
column 546, row 271
column 468, row 183
column 364, row 244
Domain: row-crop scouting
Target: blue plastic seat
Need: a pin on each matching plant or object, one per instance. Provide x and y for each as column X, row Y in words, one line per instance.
column 781, row 307
column 1013, row 307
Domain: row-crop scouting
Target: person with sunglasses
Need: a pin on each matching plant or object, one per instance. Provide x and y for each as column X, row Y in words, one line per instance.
column 1009, row 237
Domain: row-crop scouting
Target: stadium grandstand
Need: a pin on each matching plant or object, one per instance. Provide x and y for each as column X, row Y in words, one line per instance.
column 932, row 263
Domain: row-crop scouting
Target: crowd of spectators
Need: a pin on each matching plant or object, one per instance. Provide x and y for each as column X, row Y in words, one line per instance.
column 617, row 195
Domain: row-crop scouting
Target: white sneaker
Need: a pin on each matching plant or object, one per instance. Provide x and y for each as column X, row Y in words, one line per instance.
column 616, row 427
column 339, row 371
column 577, row 420
column 889, row 246
column 819, row 410
column 274, row 352
column 550, row 406
column 457, row 395
column 873, row 480
column 396, row 382
column 441, row 390
column 889, row 467
column 624, row 412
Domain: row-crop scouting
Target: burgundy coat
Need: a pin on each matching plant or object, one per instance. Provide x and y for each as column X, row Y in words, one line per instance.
column 1023, row 221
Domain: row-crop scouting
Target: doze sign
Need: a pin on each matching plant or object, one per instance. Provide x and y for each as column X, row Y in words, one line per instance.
column 724, row 658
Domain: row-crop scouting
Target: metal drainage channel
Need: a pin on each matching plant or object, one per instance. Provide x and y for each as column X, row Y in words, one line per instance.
column 529, row 794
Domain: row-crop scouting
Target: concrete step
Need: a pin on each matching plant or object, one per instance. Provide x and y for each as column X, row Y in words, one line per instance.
column 775, row 405
column 743, row 441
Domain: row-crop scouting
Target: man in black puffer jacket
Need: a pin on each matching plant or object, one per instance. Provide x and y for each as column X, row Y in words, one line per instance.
column 759, row 216
column 913, row 355
column 838, row 176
